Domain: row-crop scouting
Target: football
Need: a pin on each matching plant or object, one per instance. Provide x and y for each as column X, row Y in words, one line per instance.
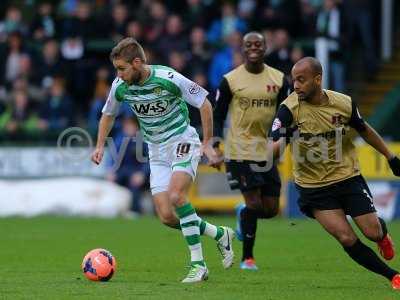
column 99, row 265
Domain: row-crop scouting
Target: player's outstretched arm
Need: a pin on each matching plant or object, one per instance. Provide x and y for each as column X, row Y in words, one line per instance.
column 206, row 114
column 373, row 138
column 105, row 125
column 376, row 141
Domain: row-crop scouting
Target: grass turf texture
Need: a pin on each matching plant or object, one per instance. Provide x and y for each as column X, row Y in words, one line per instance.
column 41, row 259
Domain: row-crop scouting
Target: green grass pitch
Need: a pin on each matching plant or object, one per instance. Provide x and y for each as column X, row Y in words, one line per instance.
column 41, row 257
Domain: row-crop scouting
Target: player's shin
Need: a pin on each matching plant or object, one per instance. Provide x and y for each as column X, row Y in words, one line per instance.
column 249, row 227
column 367, row 258
column 210, row 230
column 189, row 223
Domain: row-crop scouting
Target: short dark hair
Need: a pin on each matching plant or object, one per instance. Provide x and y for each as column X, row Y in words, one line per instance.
column 128, row 49
column 254, row 33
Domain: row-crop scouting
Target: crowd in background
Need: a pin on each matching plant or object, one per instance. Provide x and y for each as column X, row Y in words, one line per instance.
column 55, row 70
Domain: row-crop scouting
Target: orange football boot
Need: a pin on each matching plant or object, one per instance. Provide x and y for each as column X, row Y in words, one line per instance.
column 386, row 247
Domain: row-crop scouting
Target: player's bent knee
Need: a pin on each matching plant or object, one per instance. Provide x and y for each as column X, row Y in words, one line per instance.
column 176, row 198
column 271, row 212
column 168, row 219
column 346, row 239
column 253, row 205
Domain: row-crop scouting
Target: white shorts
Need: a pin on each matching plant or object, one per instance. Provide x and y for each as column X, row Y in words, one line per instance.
column 180, row 153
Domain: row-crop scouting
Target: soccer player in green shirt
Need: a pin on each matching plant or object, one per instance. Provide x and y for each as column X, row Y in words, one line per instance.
column 158, row 97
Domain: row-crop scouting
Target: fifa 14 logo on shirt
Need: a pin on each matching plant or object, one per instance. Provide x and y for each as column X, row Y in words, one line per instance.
column 151, row 109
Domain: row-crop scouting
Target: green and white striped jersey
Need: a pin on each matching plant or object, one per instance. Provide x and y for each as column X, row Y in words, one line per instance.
column 159, row 103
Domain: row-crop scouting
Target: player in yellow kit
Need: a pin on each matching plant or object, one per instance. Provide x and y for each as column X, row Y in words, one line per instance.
column 325, row 165
column 250, row 95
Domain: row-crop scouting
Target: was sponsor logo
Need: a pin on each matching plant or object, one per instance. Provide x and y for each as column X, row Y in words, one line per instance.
column 151, row 109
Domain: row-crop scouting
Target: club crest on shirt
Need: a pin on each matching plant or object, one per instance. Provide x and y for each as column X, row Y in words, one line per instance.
column 337, row 120
column 157, row 91
column 272, row 88
column 276, row 124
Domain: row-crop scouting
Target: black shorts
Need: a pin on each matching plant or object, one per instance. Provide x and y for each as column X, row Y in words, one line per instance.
column 249, row 175
column 352, row 195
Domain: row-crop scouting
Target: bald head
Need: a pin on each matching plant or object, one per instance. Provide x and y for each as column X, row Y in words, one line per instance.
column 310, row 63
column 307, row 78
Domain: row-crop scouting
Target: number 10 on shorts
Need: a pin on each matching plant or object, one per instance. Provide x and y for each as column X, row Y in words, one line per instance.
column 182, row 149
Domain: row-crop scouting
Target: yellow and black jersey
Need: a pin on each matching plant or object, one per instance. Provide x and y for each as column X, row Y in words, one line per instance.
column 251, row 101
column 322, row 149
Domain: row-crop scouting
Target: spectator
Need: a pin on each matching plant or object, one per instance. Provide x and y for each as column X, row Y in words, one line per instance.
column 246, row 10
column 358, row 16
column 195, row 13
column 49, row 63
column 12, row 23
column 200, row 50
column 223, row 61
column 133, row 171
column 20, row 118
column 21, row 83
column 119, row 21
column 229, row 23
column 296, row 54
column 25, row 67
column 173, row 39
column 269, row 41
column 155, row 22
column 81, row 24
column 72, row 48
column 100, row 96
column 274, row 14
column 196, row 37
column 330, row 26
column 308, row 15
column 280, row 57
column 10, row 65
column 135, row 29
column 67, row 7
column 44, row 24
column 56, row 112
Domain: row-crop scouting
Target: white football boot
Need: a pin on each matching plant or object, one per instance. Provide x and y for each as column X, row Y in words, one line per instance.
column 196, row 273
column 225, row 247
